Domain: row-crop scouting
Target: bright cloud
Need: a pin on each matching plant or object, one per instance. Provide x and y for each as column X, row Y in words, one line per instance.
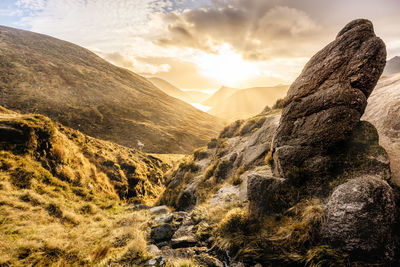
column 204, row 43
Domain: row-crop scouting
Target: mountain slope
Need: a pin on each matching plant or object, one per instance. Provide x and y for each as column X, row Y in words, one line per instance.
column 383, row 110
column 73, row 86
column 392, row 66
column 248, row 102
column 219, row 96
column 187, row 96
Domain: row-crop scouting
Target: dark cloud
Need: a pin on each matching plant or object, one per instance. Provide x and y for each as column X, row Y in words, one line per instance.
column 256, row 29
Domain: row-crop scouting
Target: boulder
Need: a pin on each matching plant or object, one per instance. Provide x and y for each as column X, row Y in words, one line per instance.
column 161, row 233
column 326, row 101
column 263, row 192
column 187, row 199
column 360, row 218
column 159, row 210
column 207, row 260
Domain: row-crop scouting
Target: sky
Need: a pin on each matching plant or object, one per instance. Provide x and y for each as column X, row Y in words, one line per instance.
column 204, row 44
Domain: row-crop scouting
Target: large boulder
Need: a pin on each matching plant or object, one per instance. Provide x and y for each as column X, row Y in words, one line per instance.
column 327, row 100
column 360, row 218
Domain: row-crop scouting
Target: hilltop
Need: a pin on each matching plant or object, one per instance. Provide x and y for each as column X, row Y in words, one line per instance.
column 73, row 86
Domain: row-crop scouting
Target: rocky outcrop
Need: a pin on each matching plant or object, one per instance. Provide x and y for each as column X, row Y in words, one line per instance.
column 315, row 179
column 240, row 146
column 360, row 217
column 327, row 100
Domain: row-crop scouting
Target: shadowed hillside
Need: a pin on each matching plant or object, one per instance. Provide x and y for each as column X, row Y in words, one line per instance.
column 73, row 86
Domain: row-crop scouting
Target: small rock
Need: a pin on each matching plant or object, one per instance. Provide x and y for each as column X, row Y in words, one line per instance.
column 164, row 218
column 159, row 210
column 163, row 232
column 208, row 260
column 187, row 199
column 159, row 261
column 154, row 250
column 184, row 237
column 141, row 207
column 184, row 241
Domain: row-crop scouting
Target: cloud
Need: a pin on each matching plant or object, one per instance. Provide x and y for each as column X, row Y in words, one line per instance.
column 183, row 74
column 134, row 64
column 166, row 37
column 31, row 4
column 257, row 30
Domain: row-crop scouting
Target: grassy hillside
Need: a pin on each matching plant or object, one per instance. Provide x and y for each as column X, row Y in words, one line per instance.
column 248, row 102
column 61, row 192
column 71, row 85
column 187, row 96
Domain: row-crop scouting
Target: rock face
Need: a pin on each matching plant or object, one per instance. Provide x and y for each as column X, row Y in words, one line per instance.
column 360, row 217
column 327, row 100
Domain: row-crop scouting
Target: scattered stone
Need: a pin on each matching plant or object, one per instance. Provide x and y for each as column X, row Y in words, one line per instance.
column 159, row 210
column 141, row 207
column 207, row 260
column 154, row 250
column 326, row 101
column 161, row 233
column 360, row 218
column 184, row 242
column 158, row 262
column 185, row 235
column 164, row 218
column 187, row 199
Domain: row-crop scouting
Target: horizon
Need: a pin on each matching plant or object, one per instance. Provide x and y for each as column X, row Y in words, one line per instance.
column 203, row 45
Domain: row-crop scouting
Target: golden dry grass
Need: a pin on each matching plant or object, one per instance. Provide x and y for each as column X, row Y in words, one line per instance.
column 50, row 228
column 60, row 197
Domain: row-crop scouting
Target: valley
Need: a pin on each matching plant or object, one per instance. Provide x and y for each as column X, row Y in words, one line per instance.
column 111, row 165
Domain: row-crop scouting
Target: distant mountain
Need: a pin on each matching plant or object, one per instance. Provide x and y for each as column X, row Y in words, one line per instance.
column 187, row 96
column 248, row 102
column 219, row 96
column 71, row 85
column 392, row 66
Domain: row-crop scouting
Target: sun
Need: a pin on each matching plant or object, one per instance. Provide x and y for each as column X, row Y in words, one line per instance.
column 226, row 66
